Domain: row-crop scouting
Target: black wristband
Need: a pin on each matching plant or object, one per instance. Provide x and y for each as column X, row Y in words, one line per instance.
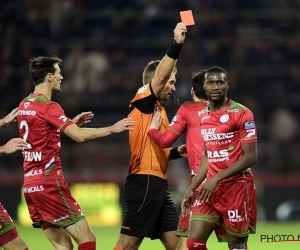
column 174, row 50
column 174, row 153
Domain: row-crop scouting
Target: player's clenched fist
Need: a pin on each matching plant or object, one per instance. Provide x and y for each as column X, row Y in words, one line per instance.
column 179, row 33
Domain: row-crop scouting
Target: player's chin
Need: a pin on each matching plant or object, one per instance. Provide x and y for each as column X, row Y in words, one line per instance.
column 215, row 98
column 57, row 89
column 167, row 97
column 164, row 98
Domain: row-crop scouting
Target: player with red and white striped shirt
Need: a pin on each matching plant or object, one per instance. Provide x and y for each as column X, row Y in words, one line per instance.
column 229, row 133
column 50, row 203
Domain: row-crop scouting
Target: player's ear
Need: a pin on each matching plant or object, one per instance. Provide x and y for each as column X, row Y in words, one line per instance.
column 192, row 91
column 49, row 77
column 227, row 85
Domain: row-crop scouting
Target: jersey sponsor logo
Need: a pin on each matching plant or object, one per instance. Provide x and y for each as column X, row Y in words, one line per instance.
column 233, row 216
column 224, row 118
column 26, row 104
column 218, row 156
column 61, row 218
column 142, row 89
column 249, row 125
column 34, row 189
column 209, row 135
column 211, row 143
column 27, row 112
column 173, row 120
column 208, row 131
column 33, row 172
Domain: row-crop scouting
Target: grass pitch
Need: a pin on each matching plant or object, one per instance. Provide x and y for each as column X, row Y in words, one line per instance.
column 107, row 237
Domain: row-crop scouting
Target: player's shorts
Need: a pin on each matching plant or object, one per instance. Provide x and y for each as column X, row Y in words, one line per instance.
column 184, row 221
column 51, row 204
column 149, row 208
column 229, row 207
column 8, row 231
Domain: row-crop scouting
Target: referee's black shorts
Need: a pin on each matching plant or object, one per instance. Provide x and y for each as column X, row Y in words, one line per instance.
column 149, row 208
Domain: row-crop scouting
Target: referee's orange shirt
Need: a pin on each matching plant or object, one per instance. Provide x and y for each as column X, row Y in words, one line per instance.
column 146, row 156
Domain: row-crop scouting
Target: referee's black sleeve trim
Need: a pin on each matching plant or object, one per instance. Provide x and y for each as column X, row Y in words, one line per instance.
column 145, row 105
column 174, row 153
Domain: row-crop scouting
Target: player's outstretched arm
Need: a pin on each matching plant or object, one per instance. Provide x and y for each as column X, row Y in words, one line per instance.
column 83, row 118
column 167, row 64
column 84, row 134
column 12, row 146
column 11, row 117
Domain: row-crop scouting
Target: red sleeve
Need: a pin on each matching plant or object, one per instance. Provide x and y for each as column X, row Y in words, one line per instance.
column 56, row 116
column 246, row 126
column 164, row 140
column 176, row 128
column 179, row 122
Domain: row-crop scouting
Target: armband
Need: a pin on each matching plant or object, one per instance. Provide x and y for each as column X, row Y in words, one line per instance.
column 174, row 50
column 174, row 153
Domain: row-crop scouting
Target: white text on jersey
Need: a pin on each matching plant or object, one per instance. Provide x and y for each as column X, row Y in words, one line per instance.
column 27, row 112
column 32, row 156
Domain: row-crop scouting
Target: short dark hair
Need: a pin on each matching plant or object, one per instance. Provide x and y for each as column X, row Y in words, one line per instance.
column 216, row 69
column 40, row 66
column 197, row 83
column 149, row 71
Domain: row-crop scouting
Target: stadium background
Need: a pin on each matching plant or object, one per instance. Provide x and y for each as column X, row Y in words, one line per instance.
column 106, row 44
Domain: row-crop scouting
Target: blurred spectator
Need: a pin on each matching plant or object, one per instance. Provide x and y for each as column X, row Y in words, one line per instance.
column 283, row 135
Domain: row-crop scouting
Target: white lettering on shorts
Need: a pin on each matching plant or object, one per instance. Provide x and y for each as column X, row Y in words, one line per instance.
column 61, row 218
column 234, row 216
column 34, row 189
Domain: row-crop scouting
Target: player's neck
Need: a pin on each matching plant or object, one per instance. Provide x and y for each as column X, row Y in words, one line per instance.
column 216, row 106
column 42, row 89
column 196, row 99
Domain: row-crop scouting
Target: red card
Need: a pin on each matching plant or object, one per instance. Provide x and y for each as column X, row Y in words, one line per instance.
column 187, row 17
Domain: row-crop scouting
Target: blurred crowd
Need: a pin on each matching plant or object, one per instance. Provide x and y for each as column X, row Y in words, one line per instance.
column 106, row 44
